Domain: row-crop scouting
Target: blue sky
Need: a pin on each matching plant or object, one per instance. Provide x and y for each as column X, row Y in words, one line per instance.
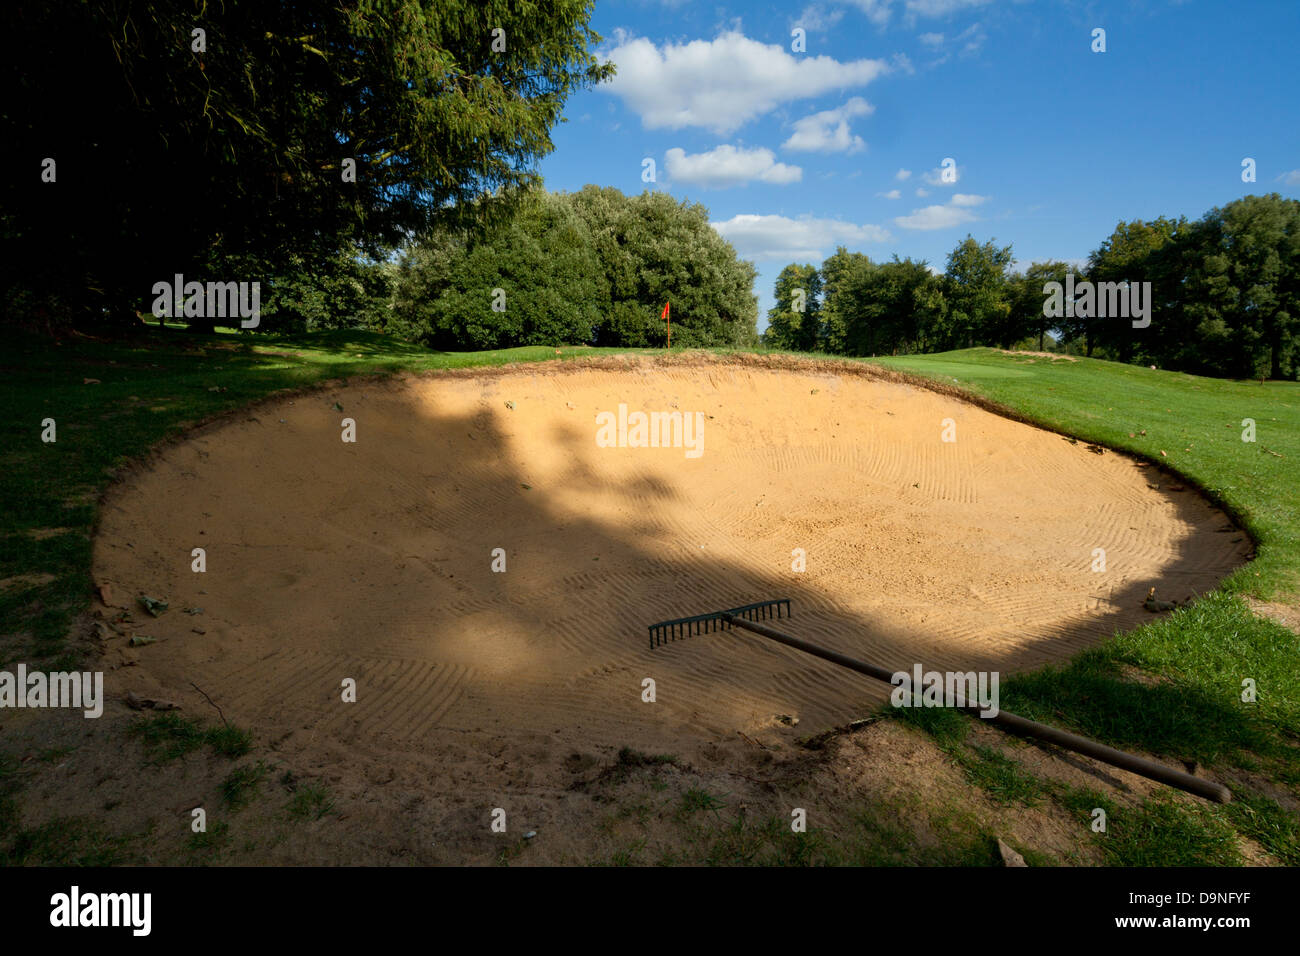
column 794, row 153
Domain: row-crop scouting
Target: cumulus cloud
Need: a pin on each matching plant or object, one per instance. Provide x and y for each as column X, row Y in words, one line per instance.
column 931, row 39
column 903, row 174
column 1292, row 178
column 953, row 213
column 934, row 217
column 723, row 83
column 729, row 166
column 805, row 239
column 892, row 194
column 828, row 131
column 922, row 193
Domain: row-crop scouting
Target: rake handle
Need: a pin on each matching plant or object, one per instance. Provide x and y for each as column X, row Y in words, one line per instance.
column 1015, row 723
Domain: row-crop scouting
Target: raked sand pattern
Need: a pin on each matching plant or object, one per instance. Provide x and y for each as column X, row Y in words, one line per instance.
column 373, row 560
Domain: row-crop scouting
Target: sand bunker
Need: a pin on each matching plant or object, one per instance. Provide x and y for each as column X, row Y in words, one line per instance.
column 374, row 560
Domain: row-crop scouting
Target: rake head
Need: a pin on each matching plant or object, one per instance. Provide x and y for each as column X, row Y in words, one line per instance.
column 666, row 631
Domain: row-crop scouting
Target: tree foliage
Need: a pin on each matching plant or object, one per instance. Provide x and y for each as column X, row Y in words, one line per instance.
column 592, row 267
column 184, row 152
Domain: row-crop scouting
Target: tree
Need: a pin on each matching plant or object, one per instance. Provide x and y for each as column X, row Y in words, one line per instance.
column 1027, row 297
column 535, row 280
column 195, row 152
column 1241, row 265
column 1138, row 252
column 978, row 294
column 891, row 307
column 834, row 271
column 590, row 267
column 794, row 322
column 654, row 250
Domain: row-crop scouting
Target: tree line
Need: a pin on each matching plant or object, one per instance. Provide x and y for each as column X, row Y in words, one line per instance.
column 1224, row 293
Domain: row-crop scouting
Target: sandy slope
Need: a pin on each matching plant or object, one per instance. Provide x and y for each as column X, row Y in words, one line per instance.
column 372, row 561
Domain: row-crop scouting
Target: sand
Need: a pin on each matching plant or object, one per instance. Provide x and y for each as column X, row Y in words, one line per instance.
column 372, row 561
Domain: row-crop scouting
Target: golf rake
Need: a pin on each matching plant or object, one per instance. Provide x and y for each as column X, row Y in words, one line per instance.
column 666, row 631
column 750, row 617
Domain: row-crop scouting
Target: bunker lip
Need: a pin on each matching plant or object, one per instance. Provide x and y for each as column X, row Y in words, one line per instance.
column 372, row 561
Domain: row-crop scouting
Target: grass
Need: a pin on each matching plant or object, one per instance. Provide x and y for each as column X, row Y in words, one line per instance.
column 1187, row 706
column 310, row 802
column 169, row 736
column 243, row 784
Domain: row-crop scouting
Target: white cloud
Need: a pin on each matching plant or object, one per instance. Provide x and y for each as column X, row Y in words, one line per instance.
column 816, row 18
column 935, row 176
column 940, row 8
column 729, row 166
column 805, row 239
column 892, row 194
column 968, row 42
column 902, row 174
column 1292, row 178
column 971, row 39
column 934, row 217
column 877, row 11
column 723, row 83
column 828, row 131
column 953, row 213
column 922, row 193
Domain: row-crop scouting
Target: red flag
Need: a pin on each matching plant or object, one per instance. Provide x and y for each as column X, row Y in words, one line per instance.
column 664, row 313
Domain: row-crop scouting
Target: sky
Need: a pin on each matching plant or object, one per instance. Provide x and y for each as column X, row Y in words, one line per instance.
column 1050, row 142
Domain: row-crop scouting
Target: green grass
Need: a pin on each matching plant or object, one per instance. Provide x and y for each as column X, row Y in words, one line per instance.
column 243, row 784
column 310, row 802
column 169, row 736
